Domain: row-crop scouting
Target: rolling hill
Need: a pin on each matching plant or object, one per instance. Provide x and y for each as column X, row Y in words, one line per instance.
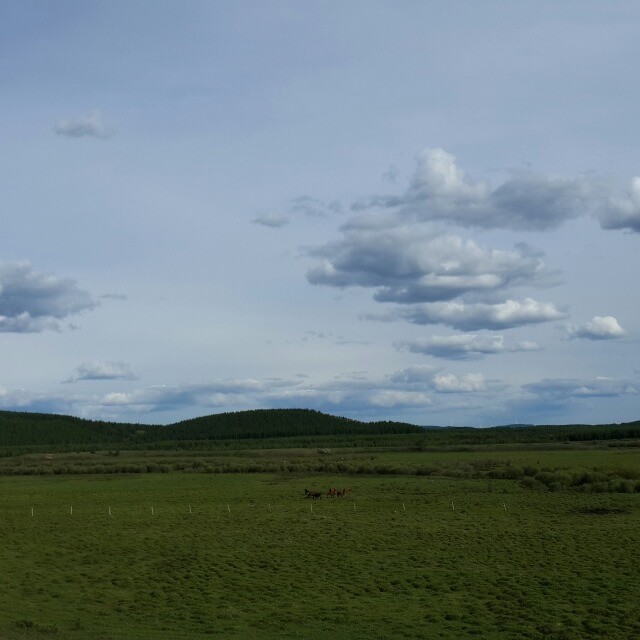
column 29, row 429
column 277, row 427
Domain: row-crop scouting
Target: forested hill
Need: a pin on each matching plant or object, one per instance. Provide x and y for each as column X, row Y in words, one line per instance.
column 31, row 429
column 276, row 427
column 277, row 423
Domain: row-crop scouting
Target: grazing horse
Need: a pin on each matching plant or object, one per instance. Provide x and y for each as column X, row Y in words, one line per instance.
column 344, row 492
column 333, row 492
column 315, row 495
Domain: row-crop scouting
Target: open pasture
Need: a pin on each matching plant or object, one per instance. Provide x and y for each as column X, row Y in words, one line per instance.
column 247, row 556
column 595, row 467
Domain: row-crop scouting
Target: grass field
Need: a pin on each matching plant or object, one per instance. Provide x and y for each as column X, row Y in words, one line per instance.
column 199, row 555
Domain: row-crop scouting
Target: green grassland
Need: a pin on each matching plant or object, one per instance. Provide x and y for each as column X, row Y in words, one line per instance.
column 594, row 466
column 202, row 530
column 245, row 555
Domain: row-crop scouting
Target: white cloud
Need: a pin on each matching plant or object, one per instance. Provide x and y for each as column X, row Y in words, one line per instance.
column 118, row 398
column 102, row 371
column 91, row 125
column 24, row 323
column 472, row 317
column 464, row 347
column 206, row 394
column 418, row 374
column 599, row 328
column 439, row 190
column 407, row 389
column 24, row 400
column 562, row 388
column 271, row 220
column 32, row 302
column 622, row 212
column 390, row 398
column 451, row 383
column 14, row 397
column 526, row 345
column 431, row 378
column 408, row 265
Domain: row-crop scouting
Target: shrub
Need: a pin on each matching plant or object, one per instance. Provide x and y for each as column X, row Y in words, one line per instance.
column 426, row 471
column 529, row 482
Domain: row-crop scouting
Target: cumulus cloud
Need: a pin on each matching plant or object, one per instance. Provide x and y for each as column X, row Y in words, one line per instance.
column 421, row 374
column 564, row 388
column 31, row 302
column 271, row 220
column 473, row 317
column 622, row 212
column 433, row 379
column 102, row 371
column 348, row 395
column 407, row 265
column 23, row 400
column 599, row 328
column 439, row 190
column 10, row 398
column 465, row 347
column 91, row 125
column 442, row 278
column 166, row 397
column 451, row 383
column 232, row 394
column 406, row 392
column 389, row 398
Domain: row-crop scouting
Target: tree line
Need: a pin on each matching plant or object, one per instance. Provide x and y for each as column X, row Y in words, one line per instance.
column 278, row 428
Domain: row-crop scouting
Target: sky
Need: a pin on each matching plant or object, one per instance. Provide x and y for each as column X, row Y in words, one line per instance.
column 416, row 211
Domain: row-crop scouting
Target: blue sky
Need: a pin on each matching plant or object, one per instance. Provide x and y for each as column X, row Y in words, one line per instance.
column 421, row 211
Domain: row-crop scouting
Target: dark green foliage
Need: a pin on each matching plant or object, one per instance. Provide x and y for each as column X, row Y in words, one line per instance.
column 270, row 428
column 278, row 423
column 23, row 430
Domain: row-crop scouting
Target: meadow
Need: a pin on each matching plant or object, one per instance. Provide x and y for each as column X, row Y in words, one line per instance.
column 441, row 544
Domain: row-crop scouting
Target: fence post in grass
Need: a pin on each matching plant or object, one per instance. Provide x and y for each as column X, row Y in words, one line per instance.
column 71, row 510
column 228, row 508
column 109, row 510
column 189, row 508
column 151, row 510
column 403, row 507
column 269, row 506
column 453, row 508
column 32, row 512
column 504, row 504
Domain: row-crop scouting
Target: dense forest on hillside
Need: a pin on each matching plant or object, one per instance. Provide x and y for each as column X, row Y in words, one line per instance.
column 20, row 429
column 278, row 428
